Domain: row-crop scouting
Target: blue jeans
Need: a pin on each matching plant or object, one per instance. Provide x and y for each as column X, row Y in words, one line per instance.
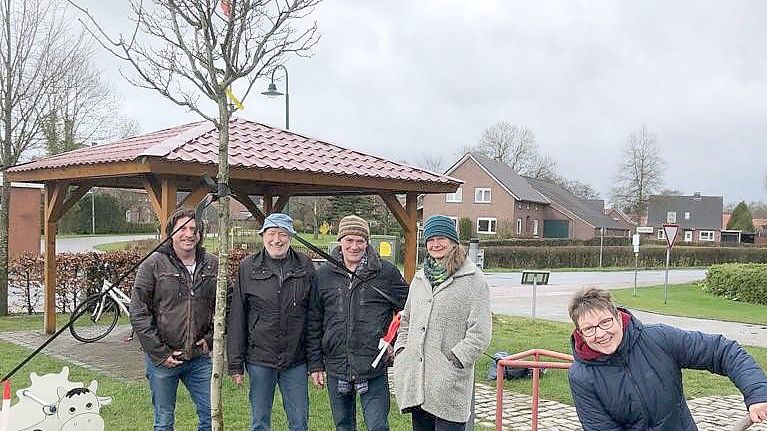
column 294, row 388
column 375, row 405
column 163, row 381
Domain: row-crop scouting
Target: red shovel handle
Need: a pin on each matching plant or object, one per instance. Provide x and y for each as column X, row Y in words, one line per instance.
column 743, row 424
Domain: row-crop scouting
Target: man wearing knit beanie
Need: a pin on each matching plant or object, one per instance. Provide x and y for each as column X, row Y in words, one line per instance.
column 347, row 316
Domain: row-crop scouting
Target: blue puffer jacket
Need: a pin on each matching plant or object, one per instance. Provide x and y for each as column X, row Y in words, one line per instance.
column 639, row 387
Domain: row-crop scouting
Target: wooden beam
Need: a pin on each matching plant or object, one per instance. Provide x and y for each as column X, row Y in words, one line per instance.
column 153, row 193
column 397, row 210
column 195, row 197
column 54, row 196
column 268, row 203
column 282, row 202
column 80, row 172
column 74, row 196
column 167, row 202
column 411, row 236
column 244, row 199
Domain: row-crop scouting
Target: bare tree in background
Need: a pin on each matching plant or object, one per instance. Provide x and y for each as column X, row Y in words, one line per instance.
column 432, row 162
column 82, row 107
column 640, row 173
column 192, row 52
column 580, row 189
column 517, row 147
column 34, row 52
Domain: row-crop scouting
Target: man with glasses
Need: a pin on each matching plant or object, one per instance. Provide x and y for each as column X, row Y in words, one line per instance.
column 628, row 376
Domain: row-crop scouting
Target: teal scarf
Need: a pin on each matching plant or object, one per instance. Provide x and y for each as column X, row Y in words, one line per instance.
column 434, row 271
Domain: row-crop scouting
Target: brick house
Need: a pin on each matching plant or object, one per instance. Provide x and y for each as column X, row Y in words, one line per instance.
column 500, row 202
column 699, row 217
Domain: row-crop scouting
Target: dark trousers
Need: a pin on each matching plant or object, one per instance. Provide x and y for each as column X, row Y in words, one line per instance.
column 375, row 405
column 425, row 421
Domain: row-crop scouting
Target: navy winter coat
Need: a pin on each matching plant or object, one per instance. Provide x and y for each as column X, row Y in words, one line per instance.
column 639, row 387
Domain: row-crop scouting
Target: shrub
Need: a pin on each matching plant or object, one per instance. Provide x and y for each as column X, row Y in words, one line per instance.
column 739, row 282
column 464, row 229
column 621, row 256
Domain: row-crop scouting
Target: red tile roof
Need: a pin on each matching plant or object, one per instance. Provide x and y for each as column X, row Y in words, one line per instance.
column 251, row 145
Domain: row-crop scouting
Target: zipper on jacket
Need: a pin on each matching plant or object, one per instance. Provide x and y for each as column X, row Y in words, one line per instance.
column 349, row 327
column 650, row 421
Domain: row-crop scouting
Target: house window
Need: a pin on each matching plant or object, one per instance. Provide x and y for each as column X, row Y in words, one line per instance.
column 686, row 215
column 527, row 207
column 486, row 225
column 519, row 205
column 661, row 234
column 481, row 196
column 671, row 217
column 536, row 207
column 519, row 226
column 535, row 228
column 688, row 236
column 456, row 197
column 707, row 235
column 455, row 221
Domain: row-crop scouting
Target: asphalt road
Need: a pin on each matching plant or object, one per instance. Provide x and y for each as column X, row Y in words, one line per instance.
column 87, row 243
column 509, row 296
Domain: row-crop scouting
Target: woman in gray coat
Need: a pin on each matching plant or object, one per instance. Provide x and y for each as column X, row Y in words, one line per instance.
column 446, row 325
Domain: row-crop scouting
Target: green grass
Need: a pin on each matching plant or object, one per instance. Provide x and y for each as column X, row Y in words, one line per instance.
column 517, row 334
column 690, row 301
column 211, row 243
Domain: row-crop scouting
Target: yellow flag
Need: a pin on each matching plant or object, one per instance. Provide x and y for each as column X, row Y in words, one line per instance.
column 234, row 99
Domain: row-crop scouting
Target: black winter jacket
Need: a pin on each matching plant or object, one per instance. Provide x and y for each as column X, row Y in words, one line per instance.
column 639, row 387
column 347, row 317
column 170, row 309
column 267, row 314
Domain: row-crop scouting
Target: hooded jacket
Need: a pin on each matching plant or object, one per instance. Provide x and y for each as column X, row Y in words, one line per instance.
column 347, row 316
column 267, row 314
column 172, row 309
column 639, row 387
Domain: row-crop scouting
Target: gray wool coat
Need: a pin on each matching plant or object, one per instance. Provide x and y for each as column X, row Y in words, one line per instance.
column 454, row 317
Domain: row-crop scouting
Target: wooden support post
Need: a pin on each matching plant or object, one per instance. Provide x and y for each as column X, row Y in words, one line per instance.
column 54, row 198
column 282, row 202
column 192, row 199
column 167, row 202
column 411, row 236
column 407, row 218
column 244, row 199
column 268, row 203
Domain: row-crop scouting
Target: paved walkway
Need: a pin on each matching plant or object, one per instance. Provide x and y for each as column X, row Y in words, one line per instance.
column 123, row 360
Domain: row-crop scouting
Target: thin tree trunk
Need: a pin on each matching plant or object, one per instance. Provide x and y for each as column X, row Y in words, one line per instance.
column 219, row 323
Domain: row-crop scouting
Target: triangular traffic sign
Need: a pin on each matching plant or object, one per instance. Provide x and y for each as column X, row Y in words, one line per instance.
column 671, row 231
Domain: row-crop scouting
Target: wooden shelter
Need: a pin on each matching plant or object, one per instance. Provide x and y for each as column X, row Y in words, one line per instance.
column 264, row 161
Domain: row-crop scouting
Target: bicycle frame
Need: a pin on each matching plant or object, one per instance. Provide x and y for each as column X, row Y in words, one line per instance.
column 118, row 295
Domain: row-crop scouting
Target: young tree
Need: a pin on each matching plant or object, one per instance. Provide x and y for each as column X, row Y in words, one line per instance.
column 741, row 219
column 193, row 52
column 640, row 173
column 34, row 52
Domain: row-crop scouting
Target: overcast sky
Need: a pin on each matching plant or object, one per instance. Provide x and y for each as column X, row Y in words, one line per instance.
column 403, row 79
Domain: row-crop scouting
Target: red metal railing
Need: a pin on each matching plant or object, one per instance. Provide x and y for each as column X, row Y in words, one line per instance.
column 517, row 360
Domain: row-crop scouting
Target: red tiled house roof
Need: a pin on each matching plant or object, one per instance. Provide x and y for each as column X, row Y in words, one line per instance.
column 252, row 147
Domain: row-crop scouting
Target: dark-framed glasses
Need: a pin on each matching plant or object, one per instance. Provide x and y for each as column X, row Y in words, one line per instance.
column 605, row 324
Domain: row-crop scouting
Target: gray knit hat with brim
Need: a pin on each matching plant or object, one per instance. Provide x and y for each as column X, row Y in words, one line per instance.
column 278, row 220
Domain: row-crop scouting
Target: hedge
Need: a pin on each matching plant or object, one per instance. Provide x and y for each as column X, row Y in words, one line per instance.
column 739, row 282
column 588, row 256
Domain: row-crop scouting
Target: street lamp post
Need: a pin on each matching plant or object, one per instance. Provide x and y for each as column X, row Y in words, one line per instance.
column 272, row 91
column 93, row 211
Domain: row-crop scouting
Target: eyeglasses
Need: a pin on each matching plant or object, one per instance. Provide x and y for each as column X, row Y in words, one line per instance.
column 590, row 331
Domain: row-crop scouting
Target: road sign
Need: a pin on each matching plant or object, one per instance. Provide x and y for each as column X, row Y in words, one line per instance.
column 671, row 231
column 645, row 229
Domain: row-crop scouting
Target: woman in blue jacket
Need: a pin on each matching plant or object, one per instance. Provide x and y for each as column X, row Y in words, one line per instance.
column 628, row 376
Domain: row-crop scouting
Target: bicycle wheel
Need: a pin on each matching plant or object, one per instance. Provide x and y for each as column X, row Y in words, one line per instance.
column 92, row 322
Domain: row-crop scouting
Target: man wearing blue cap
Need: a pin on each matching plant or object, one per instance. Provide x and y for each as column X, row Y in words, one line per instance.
column 266, row 319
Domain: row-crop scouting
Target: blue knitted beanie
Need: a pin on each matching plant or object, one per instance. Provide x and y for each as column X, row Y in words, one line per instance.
column 439, row 225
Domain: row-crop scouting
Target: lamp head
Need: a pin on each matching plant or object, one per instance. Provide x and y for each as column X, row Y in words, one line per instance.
column 272, row 90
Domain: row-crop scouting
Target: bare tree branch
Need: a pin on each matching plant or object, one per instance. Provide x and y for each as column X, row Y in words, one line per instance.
column 640, row 173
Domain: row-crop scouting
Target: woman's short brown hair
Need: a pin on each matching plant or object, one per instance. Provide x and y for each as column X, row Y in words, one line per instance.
column 588, row 300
